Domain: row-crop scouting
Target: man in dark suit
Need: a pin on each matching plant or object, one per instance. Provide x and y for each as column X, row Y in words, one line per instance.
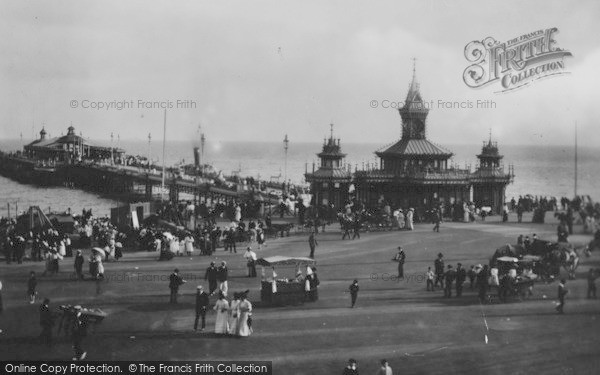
column 175, row 281
column 215, row 234
column 47, row 322
column 461, row 277
column 439, row 270
column 211, row 276
column 222, row 273
column 400, row 258
column 449, row 276
column 201, row 305
column 356, row 228
column 562, row 292
column 79, row 265
column 312, row 243
column 437, row 219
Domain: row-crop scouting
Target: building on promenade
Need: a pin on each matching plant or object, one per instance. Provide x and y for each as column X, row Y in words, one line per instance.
column 489, row 179
column 330, row 183
column 413, row 172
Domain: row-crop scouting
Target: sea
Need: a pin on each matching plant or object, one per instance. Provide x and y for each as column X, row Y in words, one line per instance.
column 539, row 170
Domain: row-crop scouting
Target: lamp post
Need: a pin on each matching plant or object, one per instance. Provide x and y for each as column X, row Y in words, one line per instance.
column 112, row 158
column 286, row 143
column 149, row 150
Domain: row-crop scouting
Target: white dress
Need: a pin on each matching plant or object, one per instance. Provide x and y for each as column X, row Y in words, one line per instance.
column 245, row 308
column 189, row 244
column 234, row 317
column 221, row 307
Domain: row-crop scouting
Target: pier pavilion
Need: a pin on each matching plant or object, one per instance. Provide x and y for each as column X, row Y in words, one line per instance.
column 68, row 147
column 414, row 171
column 330, row 183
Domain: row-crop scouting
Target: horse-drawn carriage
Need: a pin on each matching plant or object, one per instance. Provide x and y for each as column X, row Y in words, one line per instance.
column 279, row 228
column 370, row 220
column 544, row 258
column 511, row 277
column 518, row 267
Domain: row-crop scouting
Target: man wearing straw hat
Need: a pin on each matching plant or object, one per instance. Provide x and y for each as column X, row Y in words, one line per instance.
column 201, row 305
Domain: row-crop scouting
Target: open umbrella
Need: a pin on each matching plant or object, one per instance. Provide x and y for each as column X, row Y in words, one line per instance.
column 99, row 251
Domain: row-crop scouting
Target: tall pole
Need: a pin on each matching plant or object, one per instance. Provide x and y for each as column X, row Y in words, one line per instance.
column 575, row 158
column 162, row 184
column 202, row 142
column 286, row 142
column 112, row 158
column 149, row 151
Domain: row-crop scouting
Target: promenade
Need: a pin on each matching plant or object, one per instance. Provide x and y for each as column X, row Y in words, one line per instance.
column 418, row 332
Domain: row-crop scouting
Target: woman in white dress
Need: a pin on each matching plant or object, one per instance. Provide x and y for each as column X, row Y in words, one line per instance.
column 409, row 219
column 245, row 308
column 189, row 245
column 221, row 307
column 62, row 248
column 234, row 314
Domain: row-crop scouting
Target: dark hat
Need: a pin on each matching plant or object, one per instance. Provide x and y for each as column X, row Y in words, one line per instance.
column 440, row 255
column 352, row 360
column 176, row 270
column 459, row 264
column 212, row 263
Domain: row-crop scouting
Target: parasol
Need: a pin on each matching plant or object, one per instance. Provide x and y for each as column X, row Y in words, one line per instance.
column 99, row 251
column 508, row 259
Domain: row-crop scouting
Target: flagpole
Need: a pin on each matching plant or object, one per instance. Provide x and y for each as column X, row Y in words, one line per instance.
column 162, row 185
column 575, row 158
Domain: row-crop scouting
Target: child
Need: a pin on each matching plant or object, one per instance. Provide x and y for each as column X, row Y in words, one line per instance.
column 354, row 291
column 31, row 284
column 430, row 276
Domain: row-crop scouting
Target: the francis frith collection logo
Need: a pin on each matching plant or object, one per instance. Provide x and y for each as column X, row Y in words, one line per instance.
column 516, row 62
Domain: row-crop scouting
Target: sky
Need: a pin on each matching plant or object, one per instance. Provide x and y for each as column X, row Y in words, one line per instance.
column 255, row 71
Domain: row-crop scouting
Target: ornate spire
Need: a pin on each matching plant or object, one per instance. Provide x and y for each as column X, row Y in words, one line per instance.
column 413, row 90
column 414, row 112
